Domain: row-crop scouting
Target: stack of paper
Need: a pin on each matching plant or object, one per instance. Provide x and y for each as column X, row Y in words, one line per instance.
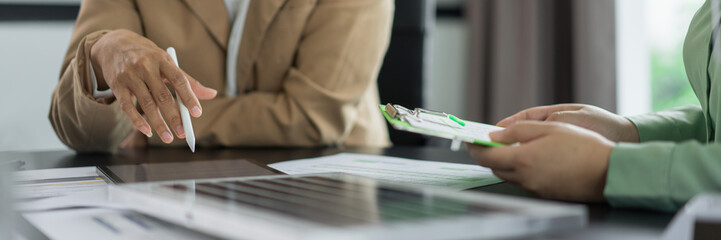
column 450, row 175
column 72, row 203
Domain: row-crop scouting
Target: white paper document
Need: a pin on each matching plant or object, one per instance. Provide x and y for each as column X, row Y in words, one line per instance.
column 72, row 203
column 469, row 132
column 98, row 223
column 54, row 173
column 450, row 175
column 59, row 188
column 57, row 182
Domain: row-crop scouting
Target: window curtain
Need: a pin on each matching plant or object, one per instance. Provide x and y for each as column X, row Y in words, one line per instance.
column 526, row 53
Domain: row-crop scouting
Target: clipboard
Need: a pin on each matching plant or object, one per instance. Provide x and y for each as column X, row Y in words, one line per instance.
column 439, row 124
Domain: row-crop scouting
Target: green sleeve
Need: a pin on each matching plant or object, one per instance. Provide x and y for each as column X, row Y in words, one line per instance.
column 661, row 175
column 676, row 124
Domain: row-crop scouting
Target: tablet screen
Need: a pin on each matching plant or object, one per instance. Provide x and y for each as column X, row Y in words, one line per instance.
column 151, row 172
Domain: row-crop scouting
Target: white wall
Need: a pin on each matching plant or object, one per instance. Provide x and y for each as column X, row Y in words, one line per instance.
column 30, row 57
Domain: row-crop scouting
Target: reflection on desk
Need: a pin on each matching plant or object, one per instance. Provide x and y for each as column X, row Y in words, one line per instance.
column 604, row 221
column 343, row 206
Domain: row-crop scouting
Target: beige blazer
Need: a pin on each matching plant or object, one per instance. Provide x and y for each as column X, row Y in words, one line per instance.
column 307, row 71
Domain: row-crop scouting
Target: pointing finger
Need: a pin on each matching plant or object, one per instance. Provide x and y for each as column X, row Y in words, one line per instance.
column 180, row 82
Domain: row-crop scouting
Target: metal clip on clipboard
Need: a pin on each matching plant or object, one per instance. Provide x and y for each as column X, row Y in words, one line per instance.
column 399, row 112
column 404, row 114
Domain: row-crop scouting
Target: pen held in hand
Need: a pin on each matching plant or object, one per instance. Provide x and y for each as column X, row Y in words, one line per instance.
column 184, row 113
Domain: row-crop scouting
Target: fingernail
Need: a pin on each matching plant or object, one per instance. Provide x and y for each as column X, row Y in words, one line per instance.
column 166, row 137
column 179, row 130
column 196, row 111
column 146, row 130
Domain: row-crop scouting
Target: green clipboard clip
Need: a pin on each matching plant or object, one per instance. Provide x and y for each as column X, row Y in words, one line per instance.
column 439, row 124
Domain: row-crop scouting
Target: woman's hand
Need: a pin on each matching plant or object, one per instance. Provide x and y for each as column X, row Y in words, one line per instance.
column 133, row 66
column 554, row 160
column 612, row 126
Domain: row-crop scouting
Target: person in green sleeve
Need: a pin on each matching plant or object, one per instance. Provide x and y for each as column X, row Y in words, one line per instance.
column 583, row 153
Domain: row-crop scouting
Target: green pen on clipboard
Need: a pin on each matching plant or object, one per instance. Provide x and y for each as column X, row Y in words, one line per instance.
column 457, row 120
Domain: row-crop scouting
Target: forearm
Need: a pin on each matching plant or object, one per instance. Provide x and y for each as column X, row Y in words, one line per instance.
column 257, row 119
column 677, row 124
column 662, row 175
column 300, row 116
column 80, row 121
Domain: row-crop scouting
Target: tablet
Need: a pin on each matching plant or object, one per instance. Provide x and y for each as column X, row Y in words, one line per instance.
column 342, row 206
column 149, row 172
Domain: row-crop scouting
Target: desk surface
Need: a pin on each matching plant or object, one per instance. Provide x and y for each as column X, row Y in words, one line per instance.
column 605, row 222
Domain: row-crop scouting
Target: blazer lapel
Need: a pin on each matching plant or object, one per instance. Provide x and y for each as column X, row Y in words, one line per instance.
column 261, row 14
column 215, row 18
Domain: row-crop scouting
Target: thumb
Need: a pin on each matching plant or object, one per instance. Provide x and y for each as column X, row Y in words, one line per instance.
column 507, row 121
column 523, row 131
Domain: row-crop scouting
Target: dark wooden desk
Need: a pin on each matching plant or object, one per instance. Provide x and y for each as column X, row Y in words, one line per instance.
column 605, row 222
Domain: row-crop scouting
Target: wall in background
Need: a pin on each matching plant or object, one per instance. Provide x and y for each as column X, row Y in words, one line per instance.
column 30, row 57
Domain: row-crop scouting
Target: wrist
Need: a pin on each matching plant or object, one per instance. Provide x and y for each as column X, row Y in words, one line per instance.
column 629, row 131
column 95, row 55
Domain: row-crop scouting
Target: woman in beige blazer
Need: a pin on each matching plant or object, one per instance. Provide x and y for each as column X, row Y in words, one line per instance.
column 306, row 74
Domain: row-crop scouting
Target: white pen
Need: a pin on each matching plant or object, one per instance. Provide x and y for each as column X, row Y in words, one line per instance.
column 184, row 113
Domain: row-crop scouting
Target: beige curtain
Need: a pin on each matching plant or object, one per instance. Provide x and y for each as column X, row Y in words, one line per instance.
column 526, row 53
